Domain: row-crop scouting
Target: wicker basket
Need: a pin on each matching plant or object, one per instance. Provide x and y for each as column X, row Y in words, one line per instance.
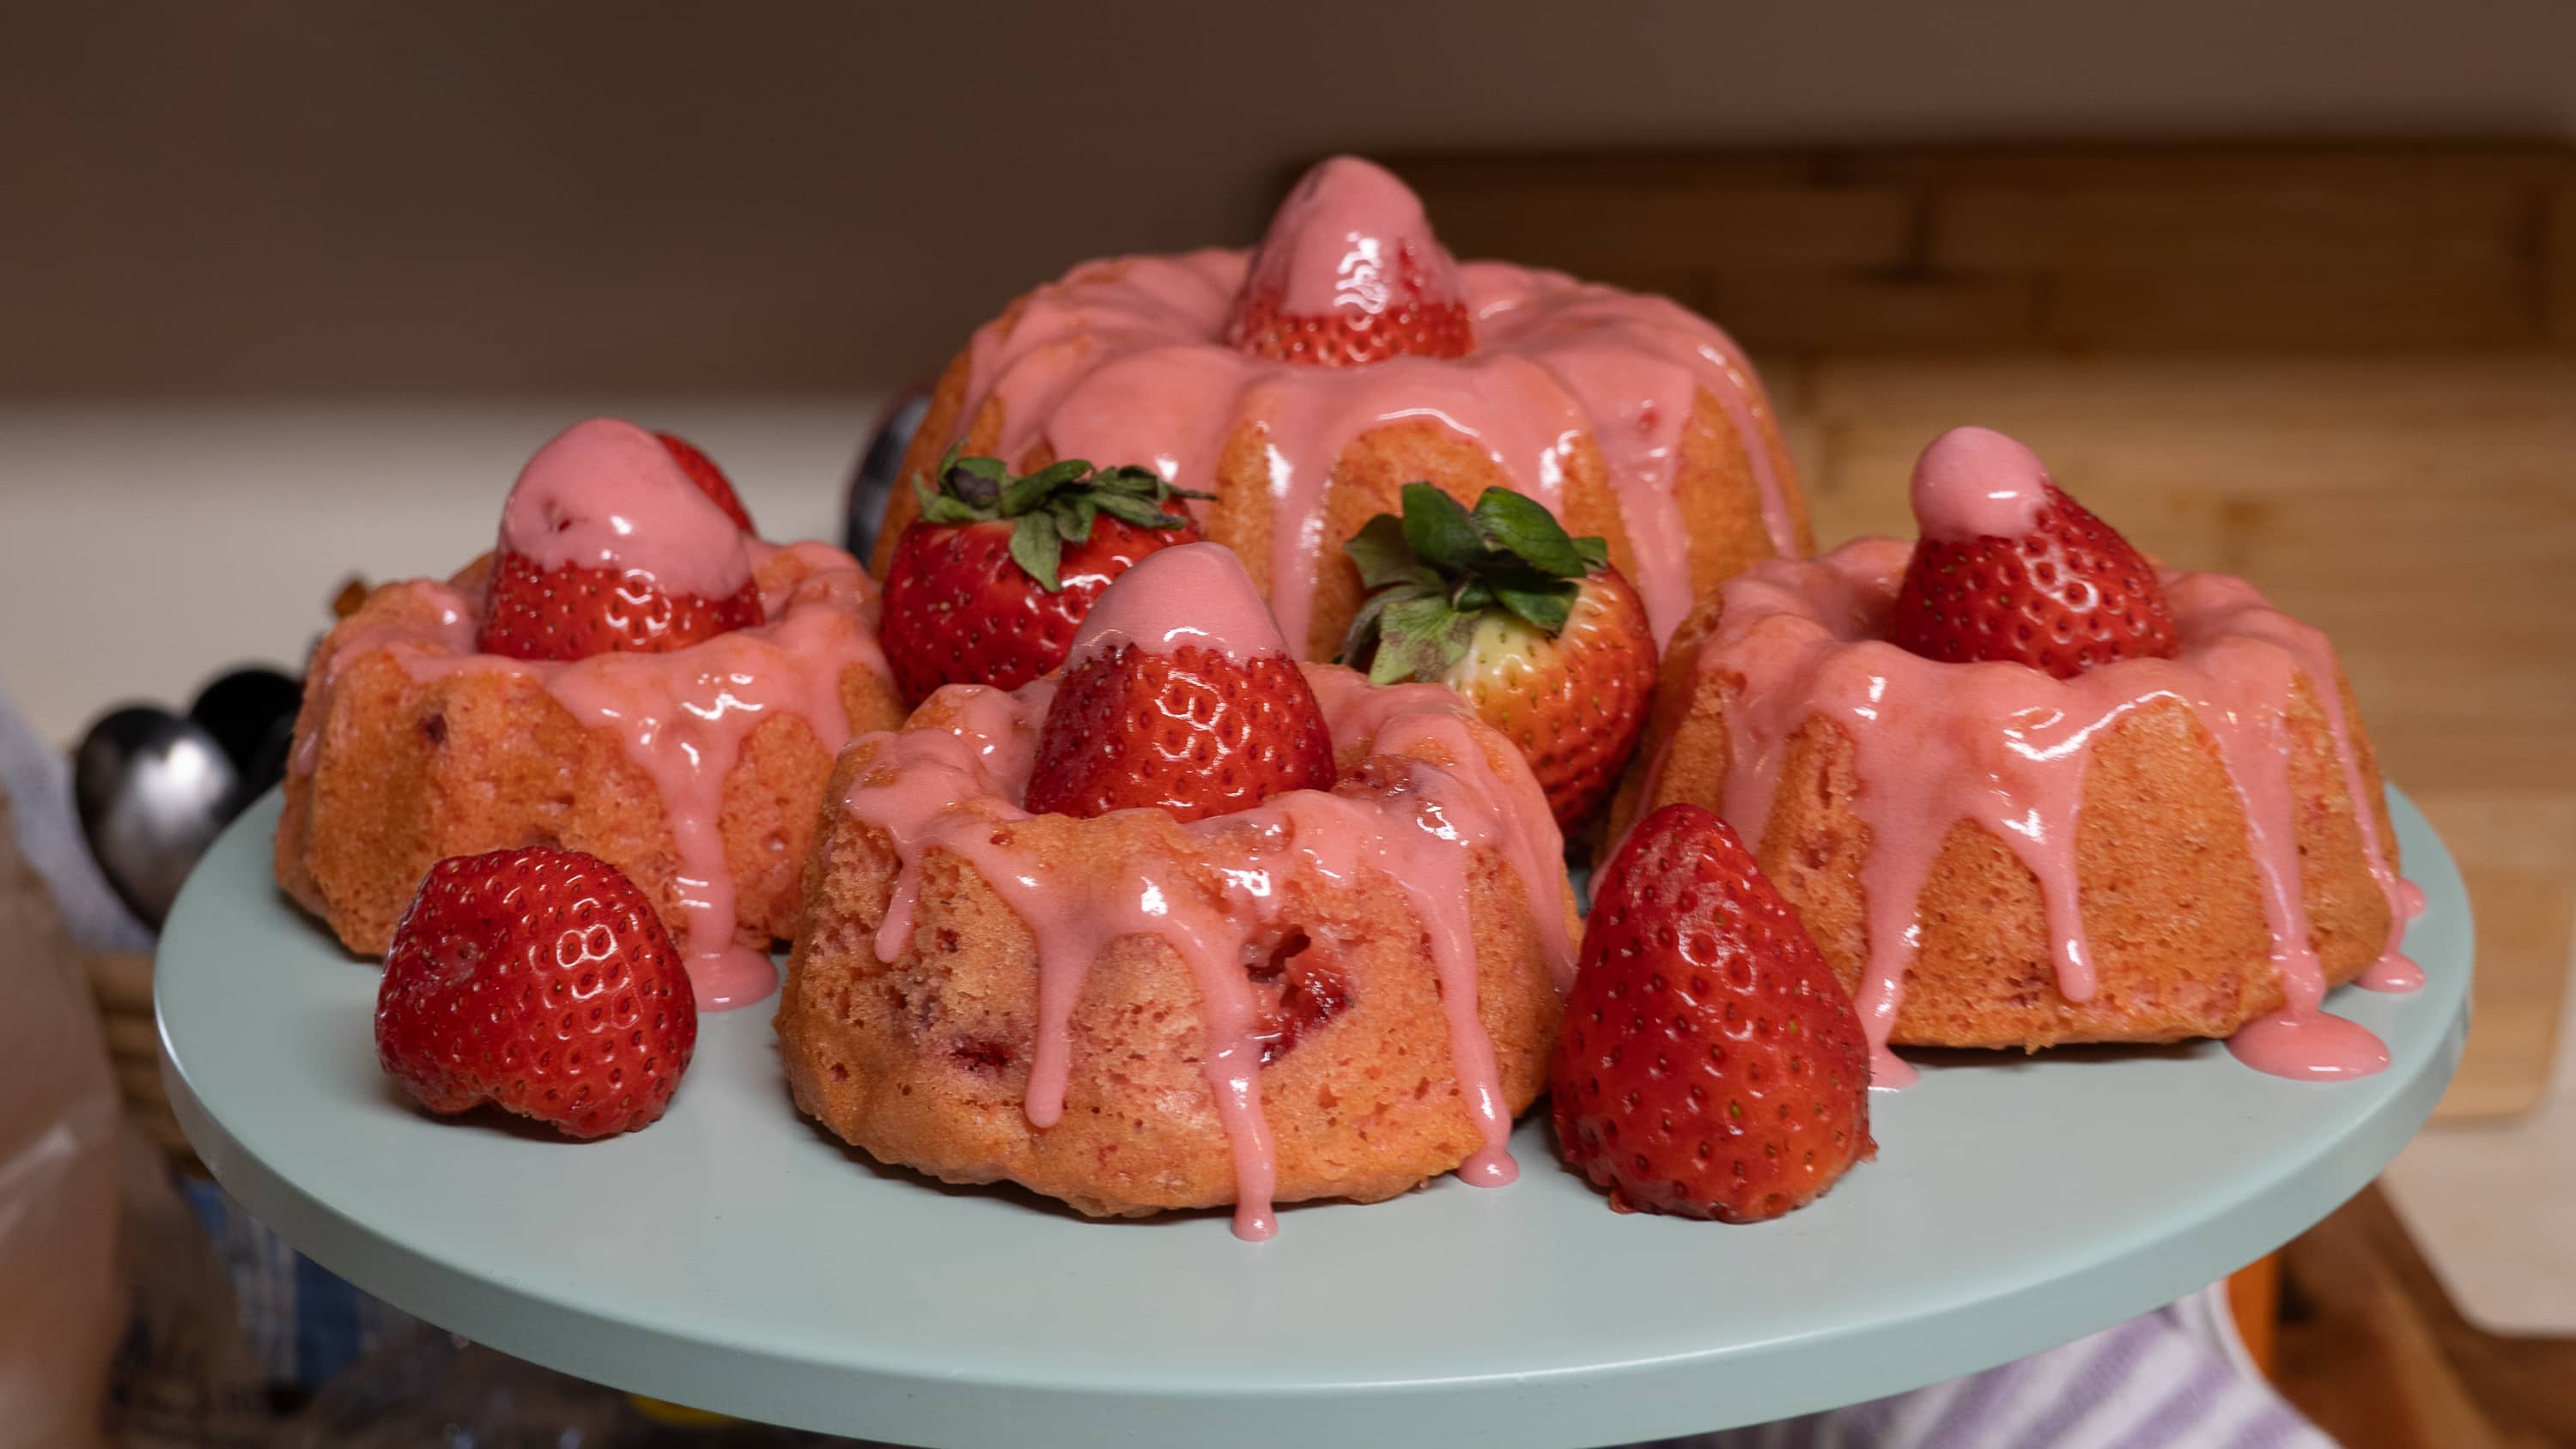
column 121, row 982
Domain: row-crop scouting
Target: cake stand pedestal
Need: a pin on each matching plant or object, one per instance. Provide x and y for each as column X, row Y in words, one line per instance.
column 737, row 1258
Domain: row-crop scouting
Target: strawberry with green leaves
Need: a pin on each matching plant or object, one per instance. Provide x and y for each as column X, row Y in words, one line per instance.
column 990, row 582
column 1536, row 630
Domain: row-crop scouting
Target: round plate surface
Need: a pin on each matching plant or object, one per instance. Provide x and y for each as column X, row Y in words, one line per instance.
column 735, row 1257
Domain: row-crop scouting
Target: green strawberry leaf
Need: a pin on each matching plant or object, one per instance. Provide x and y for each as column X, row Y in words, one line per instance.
column 1546, row 609
column 1522, row 527
column 1074, row 517
column 1026, row 495
column 1383, row 556
column 1419, row 638
column 1359, row 644
column 941, row 507
column 1508, row 554
column 1038, row 549
column 1439, row 531
column 1065, row 498
column 1129, row 508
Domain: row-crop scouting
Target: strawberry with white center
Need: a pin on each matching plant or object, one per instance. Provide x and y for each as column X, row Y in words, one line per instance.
column 1536, row 630
column 990, row 582
column 1179, row 696
column 1350, row 274
column 539, row 981
column 1709, row 1065
column 608, row 544
column 2009, row 568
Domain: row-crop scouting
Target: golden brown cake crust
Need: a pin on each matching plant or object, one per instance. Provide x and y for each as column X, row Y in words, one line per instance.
column 2166, row 878
column 407, row 772
column 1720, row 498
column 925, row 1061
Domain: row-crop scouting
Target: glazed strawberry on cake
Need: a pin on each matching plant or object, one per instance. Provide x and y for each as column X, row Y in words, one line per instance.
column 1303, row 384
column 2025, row 788
column 1189, row 925
column 631, row 673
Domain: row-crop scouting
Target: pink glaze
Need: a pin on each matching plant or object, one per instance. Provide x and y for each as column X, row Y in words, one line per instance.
column 1195, row 594
column 1123, row 361
column 1332, row 244
column 681, row 716
column 950, row 788
column 2007, row 747
column 2314, row 1047
column 448, row 626
column 2394, row 972
column 607, row 494
column 1976, row 483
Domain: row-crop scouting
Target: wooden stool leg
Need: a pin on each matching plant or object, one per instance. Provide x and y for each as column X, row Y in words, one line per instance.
column 2254, row 1297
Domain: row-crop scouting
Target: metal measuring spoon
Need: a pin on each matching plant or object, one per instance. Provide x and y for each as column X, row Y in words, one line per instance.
column 152, row 790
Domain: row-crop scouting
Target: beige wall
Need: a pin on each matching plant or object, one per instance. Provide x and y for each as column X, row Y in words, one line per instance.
column 372, row 198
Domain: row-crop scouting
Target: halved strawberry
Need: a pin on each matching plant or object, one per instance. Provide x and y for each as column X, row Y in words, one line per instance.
column 1181, row 698
column 1536, row 630
column 989, row 584
column 1709, row 1066
column 1350, row 274
column 539, row 981
column 2010, row 568
column 711, row 481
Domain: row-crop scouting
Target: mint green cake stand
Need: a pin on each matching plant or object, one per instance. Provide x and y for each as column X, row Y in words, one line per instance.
column 736, row 1258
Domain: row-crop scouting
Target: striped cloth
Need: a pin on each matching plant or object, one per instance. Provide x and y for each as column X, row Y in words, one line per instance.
column 2173, row 1377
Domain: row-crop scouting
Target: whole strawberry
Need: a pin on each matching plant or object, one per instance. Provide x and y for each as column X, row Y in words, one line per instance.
column 2009, row 568
column 611, row 544
column 1535, row 630
column 1350, row 274
column 542, row 982
column 711, row 481
column 1180, row 697
column 1709, row 1065
column 990, row 582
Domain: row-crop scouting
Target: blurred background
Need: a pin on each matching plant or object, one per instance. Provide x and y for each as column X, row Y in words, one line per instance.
column 288, row 291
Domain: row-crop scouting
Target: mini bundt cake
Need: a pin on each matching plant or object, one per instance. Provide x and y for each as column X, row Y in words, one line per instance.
column 2105, row 843
column 1329, row 992
column 691, row 754
column 1304, row 384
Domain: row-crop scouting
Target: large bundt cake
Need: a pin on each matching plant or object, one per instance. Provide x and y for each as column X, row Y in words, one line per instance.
column 696, row 768
column 1997, row 853
column 1333, row 992
column 1304, row 384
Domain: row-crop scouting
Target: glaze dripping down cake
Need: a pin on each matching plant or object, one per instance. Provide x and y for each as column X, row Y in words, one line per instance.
column 1336, row 990
column 631, row 673
column 1306, row 382
column 1997, row 853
